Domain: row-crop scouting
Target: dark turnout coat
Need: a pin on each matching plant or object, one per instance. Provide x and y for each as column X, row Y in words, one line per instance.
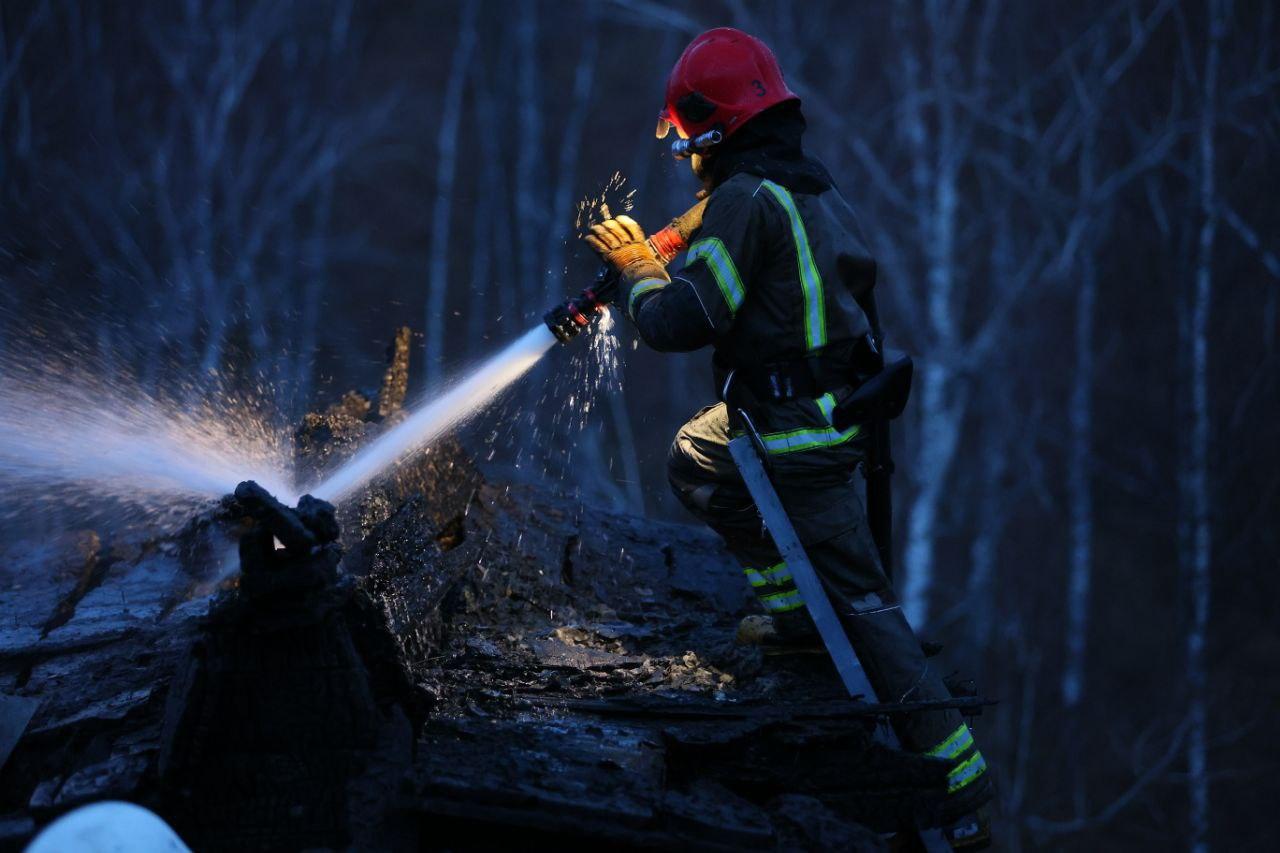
column 772, row 276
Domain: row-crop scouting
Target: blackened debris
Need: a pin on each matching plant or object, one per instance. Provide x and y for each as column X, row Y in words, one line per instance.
column 276, row 712
column 485, row 665
column 96, row 562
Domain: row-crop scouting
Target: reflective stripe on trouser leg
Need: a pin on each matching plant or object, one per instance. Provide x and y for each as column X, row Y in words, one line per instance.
column 966, row 772
column 776, row 575
column 968, row 767
column 775, row 588
column 956, row 743
column 782, row 602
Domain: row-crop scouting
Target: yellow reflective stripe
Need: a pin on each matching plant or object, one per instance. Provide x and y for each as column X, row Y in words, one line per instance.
column 809, row 438
column 956, row 743
column 645, row 285
column 775, row 575
column 966, row 772
column 781, row 602
column 815, row 309
column 712, row 252
column 826, row 405
column 792, row 441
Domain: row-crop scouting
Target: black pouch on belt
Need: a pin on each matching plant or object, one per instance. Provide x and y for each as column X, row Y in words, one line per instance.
column 881, row 396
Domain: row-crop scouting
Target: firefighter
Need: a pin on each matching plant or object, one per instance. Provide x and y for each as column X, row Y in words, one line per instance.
column 773, row 281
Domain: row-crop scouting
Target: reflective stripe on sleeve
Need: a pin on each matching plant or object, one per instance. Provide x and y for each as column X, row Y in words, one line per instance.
column 815, row 309
column 712, row 252
column 645, row 285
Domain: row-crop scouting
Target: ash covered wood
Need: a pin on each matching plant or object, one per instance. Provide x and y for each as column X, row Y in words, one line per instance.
column 395, row 381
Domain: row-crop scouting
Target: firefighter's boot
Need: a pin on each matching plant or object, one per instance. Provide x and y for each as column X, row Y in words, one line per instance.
column 781, row 634
column 899, row 672
column 971, row 832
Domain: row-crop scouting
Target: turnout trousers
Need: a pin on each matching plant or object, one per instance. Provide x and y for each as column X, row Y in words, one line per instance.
column 815, row 478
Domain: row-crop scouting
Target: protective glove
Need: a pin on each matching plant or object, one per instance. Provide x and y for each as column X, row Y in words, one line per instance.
column 620, row 243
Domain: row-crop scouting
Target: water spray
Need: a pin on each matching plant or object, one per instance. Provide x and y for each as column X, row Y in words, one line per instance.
column 68, row 438
column 430, row 419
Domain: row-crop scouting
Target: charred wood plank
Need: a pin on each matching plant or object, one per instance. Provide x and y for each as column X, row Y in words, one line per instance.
column 644, row 707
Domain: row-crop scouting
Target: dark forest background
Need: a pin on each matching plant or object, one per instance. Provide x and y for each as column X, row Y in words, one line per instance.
column 1073, row 206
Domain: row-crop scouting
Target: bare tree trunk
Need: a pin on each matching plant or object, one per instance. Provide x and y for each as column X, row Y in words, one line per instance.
column 998, row 433
column 494, row 223
column 940, row 421
column 11, row 56
column 308, row 334
column 529, row 158
column 984, row 549
column 1081, row 244
column 1079, row 486
column 942, row 398
column 488, row 183
column 442, row 210
column 561, row 219
column 943, row 401
column 1080, row 419
column 1201, row 562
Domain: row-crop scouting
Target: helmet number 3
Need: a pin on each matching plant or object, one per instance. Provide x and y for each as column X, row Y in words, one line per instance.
column 760, row 89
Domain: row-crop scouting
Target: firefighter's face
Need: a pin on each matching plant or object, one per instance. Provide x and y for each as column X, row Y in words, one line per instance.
column 697, row 163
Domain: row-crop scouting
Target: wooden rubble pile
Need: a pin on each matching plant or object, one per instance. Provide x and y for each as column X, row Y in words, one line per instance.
column 473, row 664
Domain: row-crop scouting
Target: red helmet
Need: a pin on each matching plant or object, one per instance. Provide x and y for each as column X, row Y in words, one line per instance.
column 723, row 78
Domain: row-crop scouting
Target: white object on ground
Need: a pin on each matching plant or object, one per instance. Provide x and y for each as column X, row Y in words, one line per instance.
column 108, row 827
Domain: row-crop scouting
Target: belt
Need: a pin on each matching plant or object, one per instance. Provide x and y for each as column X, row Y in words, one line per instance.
column 808, row 376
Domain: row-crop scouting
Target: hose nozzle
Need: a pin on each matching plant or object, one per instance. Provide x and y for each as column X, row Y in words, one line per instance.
column 571, row 317
column 682, row 149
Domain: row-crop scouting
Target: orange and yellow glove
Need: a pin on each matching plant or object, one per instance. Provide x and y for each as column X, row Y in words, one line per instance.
column 620, row 243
